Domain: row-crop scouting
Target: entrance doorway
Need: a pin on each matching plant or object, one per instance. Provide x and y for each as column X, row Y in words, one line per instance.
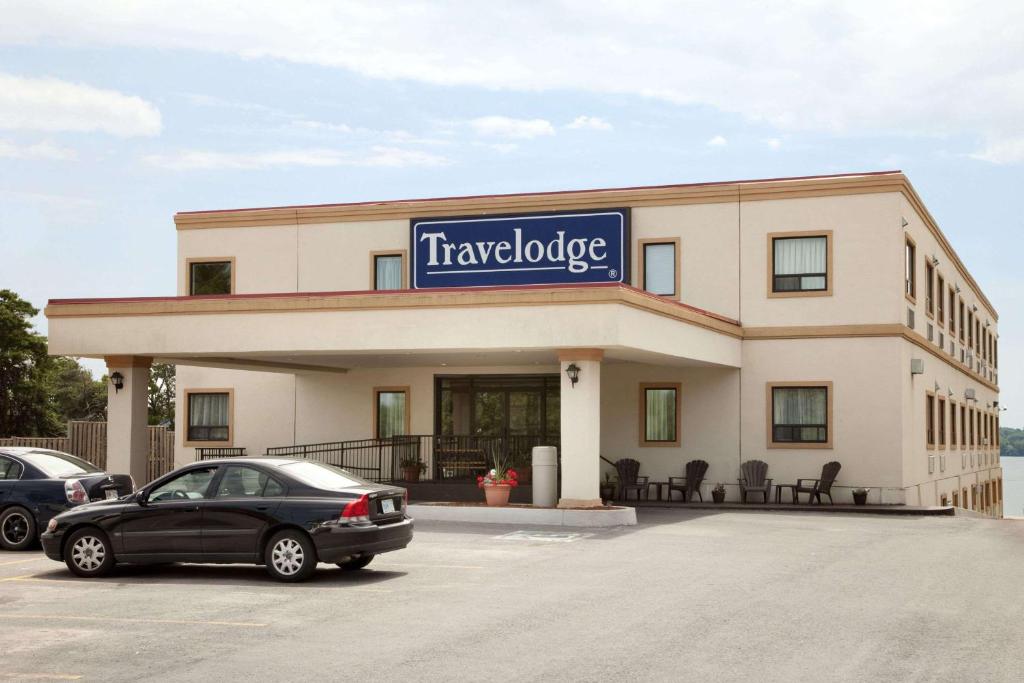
column 488, row 417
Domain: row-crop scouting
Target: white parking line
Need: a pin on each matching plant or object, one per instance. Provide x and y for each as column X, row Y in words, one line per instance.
column 120, row 620
column 31, row 559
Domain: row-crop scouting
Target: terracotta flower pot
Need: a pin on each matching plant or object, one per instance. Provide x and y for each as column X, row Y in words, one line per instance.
column 718, row 496
column 860, row 498
column 411, row 473
column 497, row 494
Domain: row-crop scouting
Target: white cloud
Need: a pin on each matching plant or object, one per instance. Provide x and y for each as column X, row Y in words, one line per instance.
column 41, row 150
column 49, row 104
column 1002, row 151
column 589, row 123
column 322, row 126
column 938, row 68
column 187, row 160
column 505, row 127
column 717, row 141
column 773, row 143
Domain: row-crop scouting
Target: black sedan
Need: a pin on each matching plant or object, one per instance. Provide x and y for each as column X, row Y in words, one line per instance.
column 284, row 513
column 36, row 484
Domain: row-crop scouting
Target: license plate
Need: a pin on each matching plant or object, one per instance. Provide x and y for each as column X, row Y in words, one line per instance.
column 387, row 505
column 111, row 494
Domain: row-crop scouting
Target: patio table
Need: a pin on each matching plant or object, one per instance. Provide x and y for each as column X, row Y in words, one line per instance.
column 662, row 485
column 792, row 492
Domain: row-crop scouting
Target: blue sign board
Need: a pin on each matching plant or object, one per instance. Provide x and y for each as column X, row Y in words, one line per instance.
column 567, row 247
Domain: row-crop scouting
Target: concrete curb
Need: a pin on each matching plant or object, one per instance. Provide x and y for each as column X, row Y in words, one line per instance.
column 478, row 514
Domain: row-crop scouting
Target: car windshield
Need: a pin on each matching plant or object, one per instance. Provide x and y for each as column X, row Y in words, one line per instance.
column 323, row 476
column 58, row 465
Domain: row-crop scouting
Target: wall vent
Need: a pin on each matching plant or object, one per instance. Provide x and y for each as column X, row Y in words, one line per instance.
column 910, row 318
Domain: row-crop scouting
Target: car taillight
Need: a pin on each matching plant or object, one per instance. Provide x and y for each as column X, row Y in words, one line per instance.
column 75, row 492
column 358, row 510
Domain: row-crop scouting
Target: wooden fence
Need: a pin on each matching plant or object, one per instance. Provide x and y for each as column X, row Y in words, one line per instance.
column 88, row 440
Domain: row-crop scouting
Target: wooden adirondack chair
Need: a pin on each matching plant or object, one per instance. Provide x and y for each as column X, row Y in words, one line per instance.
column 690, row 484
column 630, row 479
column 818, row 487
column 754, row 479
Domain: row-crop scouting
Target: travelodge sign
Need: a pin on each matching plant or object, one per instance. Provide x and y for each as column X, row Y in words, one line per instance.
column 565, row 247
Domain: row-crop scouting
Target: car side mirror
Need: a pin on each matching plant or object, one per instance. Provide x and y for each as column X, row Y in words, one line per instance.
column 142, row 497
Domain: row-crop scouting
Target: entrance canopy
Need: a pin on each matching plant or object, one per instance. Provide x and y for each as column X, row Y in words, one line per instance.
column 334, row 331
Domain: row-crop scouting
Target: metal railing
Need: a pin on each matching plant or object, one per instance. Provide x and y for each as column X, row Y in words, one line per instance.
column 444, row 457
column 210, row 453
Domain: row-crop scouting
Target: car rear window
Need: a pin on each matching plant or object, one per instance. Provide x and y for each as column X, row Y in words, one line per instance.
column 323, row 476
column 58, row 465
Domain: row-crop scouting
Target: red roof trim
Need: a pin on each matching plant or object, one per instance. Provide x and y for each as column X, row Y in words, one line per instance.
column 393, row 292
column 546, row 194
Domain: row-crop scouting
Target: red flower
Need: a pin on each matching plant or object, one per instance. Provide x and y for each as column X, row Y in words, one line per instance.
column 479, row 479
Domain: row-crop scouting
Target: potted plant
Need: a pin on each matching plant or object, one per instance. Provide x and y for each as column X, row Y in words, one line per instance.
column 498, row 484
column 860, row 496
column 411, row 467
column 718, row 493
column 607, row 488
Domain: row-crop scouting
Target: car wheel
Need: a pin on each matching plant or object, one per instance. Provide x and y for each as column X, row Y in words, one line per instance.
column 88, row 553
column 290, row 556
column 356, row 563
column 17, row 528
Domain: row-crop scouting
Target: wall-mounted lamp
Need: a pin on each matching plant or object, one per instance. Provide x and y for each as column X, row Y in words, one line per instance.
column 995, row 404
column 117, row 379
column 949, row 391
column 935, row 260
column 573, row 373
column 903, row 222
column 958, row 289
column 937, row 387
column 974, row 307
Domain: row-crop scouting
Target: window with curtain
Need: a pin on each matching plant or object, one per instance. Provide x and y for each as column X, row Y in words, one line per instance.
column 391, row 413
column 800, row 264
column 209, row 277
column 661, row 415
column 800, row 414
column 208, row 416
column 660, row 268
column 942, row 422
column 387, row 271
column 910, row 272
column 929, row 420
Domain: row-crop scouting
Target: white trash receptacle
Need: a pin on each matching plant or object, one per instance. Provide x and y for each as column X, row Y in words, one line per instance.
column 545, row 476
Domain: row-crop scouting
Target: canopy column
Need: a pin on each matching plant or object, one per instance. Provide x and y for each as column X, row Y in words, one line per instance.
column 128, row 416
column 581, row 426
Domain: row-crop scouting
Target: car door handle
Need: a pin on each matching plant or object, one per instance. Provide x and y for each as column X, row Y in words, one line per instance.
column 262, row 508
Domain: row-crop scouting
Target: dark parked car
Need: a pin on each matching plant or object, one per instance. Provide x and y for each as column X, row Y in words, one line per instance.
column 36, row 484
column 284, row 513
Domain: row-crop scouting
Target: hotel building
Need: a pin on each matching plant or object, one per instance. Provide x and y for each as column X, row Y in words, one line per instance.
column 796, row 321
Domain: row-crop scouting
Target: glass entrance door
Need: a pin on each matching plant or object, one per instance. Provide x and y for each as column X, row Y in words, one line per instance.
column 498, row 416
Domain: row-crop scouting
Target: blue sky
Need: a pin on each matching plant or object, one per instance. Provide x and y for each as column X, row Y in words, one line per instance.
column 113, row 116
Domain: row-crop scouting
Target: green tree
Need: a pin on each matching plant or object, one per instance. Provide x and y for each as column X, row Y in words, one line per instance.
column 1011, row 442
column 24, row 407
column 40, row 393
column 77, row 396
column 161, row 394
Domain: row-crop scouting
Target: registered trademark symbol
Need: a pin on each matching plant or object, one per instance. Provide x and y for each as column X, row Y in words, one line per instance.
column 612, row 273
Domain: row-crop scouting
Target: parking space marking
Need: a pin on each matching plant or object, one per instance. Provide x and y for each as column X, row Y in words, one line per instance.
column 546, row 536
column 429, row 566
column 127, row 620
column 23, row 577
column 31, row 559
column 21, row 676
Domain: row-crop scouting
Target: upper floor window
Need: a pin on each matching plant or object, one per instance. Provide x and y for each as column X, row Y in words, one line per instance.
column 940, row 300
column 209, row 415
column 211, row 276
column 388, row 270
column 960, row 317
column 910, row 269
column 952, row 424
column 800, row 263
column 659, row 266
column 929, row 289
column 801, row 415
column 942, row 422
column 952, row 312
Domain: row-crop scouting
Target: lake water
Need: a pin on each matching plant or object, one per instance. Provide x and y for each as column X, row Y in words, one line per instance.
column 1013, row 486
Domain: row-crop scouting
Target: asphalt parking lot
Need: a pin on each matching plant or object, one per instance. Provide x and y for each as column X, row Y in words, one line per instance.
column 728, row 596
